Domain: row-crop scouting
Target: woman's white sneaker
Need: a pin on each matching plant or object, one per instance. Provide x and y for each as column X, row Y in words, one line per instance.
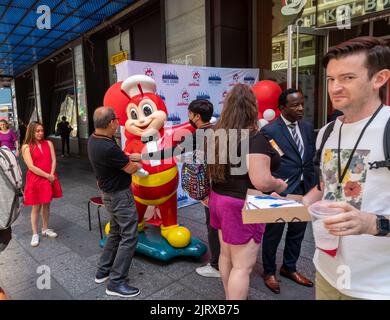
column 208, row 271
column 35, row 240
column 49, row 233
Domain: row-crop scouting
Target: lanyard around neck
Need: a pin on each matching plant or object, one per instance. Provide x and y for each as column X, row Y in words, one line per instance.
column 341, row 175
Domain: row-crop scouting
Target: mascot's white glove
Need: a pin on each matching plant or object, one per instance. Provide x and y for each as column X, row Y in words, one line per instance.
column 141, row 173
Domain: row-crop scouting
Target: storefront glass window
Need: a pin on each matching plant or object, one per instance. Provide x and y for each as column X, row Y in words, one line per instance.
column 186, row 31
column 114, row 53
column 31, row 110
column 306, row 13
column 382, row 28
column 34, row 116
column 323, row 14
column 80, row 92
column 302, row 13
column 37, row 93
column 68, row 109
column 14, row 106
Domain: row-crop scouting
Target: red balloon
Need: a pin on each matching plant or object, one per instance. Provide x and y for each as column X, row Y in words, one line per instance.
column 118, row 100
column 267, row 93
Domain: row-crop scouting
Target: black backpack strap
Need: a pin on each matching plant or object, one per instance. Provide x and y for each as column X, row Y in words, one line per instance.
column 386, row 142
column 317, row 156
column 13, row 185
column 6, row 158
column 386, row 149
column 11, row 166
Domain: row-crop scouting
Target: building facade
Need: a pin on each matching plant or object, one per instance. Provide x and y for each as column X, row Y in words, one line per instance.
column 216, row 33
column 6, row 110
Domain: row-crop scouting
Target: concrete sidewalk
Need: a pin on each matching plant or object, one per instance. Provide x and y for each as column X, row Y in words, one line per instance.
column 73, row 256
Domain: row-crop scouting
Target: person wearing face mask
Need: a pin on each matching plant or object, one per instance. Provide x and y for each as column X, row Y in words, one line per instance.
column 199, row 115
column 42, row 183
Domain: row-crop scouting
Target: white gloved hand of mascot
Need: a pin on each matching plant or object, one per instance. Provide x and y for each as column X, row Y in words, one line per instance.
column 141, row 173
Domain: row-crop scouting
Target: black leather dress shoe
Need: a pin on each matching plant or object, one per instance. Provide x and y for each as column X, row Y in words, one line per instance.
column 122, row 290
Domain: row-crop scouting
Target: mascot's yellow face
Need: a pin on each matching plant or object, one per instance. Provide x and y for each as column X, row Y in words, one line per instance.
column 144, row 117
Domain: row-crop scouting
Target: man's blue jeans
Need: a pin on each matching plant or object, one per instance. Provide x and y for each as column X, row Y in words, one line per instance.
column 122, row 239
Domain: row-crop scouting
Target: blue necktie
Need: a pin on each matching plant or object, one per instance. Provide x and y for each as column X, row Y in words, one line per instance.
column 293, row 127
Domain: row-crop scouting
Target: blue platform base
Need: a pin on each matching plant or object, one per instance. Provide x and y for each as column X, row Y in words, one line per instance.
column 152, row 244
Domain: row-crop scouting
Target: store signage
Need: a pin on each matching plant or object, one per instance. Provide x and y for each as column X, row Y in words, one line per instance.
column 292, row 7
column 304, row 61
column 376, row 5
column 286, row 12
column 328, row 12
column 119, row 57
column 4, row 108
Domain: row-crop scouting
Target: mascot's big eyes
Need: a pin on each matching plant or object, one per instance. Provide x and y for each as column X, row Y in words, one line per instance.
column 147, row 109
column 133, row 114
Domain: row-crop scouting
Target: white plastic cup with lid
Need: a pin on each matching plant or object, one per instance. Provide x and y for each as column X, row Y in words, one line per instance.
column 323, row 239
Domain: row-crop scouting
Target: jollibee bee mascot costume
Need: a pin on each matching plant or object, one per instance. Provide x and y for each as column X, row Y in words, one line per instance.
column 143, row 113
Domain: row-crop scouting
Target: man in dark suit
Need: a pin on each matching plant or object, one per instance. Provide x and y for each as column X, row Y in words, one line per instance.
column 295, row 140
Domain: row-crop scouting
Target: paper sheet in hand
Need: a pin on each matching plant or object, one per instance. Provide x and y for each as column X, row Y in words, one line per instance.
column 268, row 202
column 273, row 210
column 152, row 146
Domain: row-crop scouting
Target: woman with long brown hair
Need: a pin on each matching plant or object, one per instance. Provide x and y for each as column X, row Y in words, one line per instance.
column 42, row 184
column 230, row 181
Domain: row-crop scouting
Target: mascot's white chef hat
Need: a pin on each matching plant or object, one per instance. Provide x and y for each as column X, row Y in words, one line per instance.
column 138, row 84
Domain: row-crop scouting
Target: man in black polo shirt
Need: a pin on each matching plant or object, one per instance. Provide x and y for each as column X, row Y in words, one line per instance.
column 113, row 169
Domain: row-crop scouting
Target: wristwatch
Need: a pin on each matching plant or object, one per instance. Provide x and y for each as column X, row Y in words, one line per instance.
column 382, row 226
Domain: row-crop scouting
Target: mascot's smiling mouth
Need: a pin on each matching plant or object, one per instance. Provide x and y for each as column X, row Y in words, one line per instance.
column 144, row 126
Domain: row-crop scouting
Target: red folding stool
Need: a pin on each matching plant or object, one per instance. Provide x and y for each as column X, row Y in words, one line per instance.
column 97, row 201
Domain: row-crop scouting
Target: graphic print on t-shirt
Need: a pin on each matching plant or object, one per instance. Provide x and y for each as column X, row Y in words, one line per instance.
column 353, row 184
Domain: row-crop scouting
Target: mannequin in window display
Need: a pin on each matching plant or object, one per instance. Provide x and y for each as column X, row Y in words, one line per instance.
column 143, row 113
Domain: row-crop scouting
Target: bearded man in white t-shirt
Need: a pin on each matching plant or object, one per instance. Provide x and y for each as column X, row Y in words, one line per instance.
column 357, row 73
